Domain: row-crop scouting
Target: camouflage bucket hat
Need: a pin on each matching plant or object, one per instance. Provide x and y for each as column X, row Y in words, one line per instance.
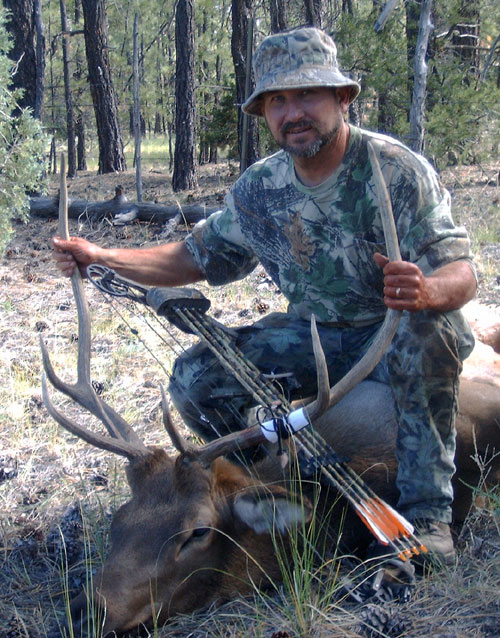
column 296, row 59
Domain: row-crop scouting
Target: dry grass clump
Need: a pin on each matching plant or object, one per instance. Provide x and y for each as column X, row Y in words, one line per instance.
column 464, row 601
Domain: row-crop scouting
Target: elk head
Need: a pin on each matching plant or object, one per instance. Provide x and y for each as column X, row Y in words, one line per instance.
column 189, row 535
column 197, row 528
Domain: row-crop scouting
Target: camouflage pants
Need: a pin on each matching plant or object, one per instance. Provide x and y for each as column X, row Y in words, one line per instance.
column 422, row 366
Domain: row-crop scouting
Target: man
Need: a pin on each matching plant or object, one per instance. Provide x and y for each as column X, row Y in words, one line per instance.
column 310, row 215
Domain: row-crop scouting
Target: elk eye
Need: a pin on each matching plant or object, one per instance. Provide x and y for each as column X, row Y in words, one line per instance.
column 200, row 531
column 196, row 534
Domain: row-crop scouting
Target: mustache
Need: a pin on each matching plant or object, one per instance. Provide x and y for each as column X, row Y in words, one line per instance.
column 293, row 126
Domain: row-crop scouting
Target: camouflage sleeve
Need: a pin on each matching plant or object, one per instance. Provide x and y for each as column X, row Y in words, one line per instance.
column 427, row 233
column 219, row 248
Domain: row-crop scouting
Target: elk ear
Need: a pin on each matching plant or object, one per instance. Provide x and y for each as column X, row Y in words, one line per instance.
column 265, row 509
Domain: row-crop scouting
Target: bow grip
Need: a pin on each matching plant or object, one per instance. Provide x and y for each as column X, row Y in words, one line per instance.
column 167, row 301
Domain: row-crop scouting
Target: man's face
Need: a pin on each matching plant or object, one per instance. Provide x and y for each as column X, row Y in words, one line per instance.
column 303, row 121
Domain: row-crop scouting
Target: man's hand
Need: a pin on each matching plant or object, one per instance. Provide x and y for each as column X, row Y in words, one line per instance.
column 407, row 288
column 75, row 251
column 163, row 265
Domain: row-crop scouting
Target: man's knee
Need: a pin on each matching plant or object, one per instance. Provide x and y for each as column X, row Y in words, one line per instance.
column 428, row 344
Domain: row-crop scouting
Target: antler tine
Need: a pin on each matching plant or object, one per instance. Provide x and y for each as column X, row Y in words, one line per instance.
column 322, row 401
column 82, row 391
column 387, row 330
column 180, row 444
column 240, row 440
column 243, row 439
column 87, row 398
column 361, row 370
column 117, row 446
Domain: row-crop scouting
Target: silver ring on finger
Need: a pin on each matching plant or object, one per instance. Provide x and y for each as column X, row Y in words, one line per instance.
column 398, row 292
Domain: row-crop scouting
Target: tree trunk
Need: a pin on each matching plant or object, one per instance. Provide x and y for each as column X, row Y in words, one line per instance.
column 214, row 151
column 53, row 157
column 122, row 212
column 78, row 10
column 466, row 37
column 137, row 116
column 204, row 99
column 70, row 122
column 184, row 175
column 413, row 10
column 417, row 110
column 80, row 73
column 348, row 6
column 40, row 60
column 385, row 110
column 111, row 157
column 170, row 129
column 277, row 10
column 356, row 107
column 159, row 128
column 81, row 158
column 385, row 14
column 28, row 52
column 385, row 117
column 241, row 11
column 314, row 12
column 159, row 125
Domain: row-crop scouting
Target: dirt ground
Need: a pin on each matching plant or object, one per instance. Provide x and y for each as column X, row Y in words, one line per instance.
column 54, row 492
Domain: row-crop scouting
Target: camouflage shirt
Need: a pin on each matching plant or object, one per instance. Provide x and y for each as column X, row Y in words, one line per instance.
column 317, row 243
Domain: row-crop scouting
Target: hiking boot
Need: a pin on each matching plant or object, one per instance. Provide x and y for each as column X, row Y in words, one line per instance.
column 436, row 536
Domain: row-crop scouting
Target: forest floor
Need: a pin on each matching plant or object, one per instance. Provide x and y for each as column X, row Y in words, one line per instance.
column 57, row 494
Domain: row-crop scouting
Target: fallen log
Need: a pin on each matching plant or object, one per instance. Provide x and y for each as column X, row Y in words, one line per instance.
column 121, row 211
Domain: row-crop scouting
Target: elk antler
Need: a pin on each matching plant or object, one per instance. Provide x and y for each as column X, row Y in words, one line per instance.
column 327, row 397
column 388, row 329
column 122, row 440
column 177, row 439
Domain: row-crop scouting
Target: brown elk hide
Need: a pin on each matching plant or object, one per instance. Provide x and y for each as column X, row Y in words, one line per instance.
column 189, row 536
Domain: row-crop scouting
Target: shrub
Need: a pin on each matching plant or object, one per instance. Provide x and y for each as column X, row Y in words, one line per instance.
column 22, row 145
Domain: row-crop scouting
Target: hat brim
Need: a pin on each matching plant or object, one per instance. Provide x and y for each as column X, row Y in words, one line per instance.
column 253, row 105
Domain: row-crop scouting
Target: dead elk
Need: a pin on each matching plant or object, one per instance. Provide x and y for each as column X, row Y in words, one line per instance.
column 200, row 528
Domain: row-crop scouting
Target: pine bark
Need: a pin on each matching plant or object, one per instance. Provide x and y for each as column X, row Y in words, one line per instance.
column 184, row 175
column 412, row 10
column 417, row 110
column 241, row 11
column 137, row 115
column 68, row 98
column 111, row 156
column 81, row 157
column 277, row 11
column 28, row 52
column 466, row 37
column 39, row 60
column 385, row 111
column 314, row 12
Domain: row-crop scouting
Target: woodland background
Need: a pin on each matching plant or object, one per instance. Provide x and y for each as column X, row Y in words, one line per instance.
column 122, row 82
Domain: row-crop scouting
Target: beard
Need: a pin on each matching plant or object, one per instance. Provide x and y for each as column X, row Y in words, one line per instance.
column 309, row 149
